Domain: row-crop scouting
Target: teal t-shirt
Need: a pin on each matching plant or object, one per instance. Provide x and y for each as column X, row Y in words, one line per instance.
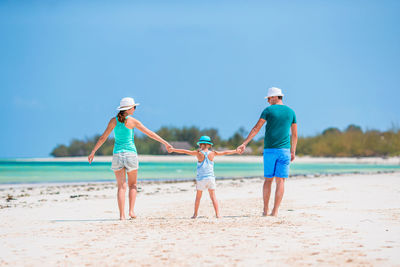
column 277, row 131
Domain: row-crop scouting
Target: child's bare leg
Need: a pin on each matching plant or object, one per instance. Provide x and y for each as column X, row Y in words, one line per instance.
column 197, row 203
column 121, row 183
column 280, row 189
column 267, row 194
column 214, row 201
column 132, row 184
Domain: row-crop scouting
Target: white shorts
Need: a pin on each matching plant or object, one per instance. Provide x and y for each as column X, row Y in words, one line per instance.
column 205, row 184
column 127, row 160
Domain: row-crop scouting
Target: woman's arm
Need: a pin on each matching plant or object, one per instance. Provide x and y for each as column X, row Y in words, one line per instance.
column 151, row 134
column 102, row 138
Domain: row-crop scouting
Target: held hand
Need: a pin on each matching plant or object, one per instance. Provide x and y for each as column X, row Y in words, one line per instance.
column 90, row 157
column 292, row 156
column 169, row 148
column 241, row 148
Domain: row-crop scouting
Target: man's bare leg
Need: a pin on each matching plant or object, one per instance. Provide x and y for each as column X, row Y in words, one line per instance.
column 121, row 183
column 132, row 184
column 197, row 203
column 214, row 201
column 280, row 189
column 267, row 193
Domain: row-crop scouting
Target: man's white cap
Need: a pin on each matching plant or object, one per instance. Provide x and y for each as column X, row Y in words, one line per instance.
column 127, row 103
column 274, row 91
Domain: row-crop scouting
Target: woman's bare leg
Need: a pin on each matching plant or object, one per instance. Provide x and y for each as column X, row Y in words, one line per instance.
column 132, row 184
column 197, row 203
column 121, row 183
column 214, row 201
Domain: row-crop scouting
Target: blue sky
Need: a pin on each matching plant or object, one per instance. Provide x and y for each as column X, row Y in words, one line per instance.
column 64, row 65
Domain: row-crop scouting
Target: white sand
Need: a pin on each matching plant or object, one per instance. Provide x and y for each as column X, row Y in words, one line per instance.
column 336, row 220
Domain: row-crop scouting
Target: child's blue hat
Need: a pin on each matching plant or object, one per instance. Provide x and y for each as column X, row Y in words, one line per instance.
column 205, row 140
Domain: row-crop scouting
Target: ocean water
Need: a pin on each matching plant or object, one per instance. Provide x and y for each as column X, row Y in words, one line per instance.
column 12, row 172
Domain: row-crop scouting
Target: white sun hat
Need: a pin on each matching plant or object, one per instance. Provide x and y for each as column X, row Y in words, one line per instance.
column 127, row 103
column 274, row 91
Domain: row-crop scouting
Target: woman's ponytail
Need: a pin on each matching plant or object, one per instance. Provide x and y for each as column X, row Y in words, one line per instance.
column 121, row 116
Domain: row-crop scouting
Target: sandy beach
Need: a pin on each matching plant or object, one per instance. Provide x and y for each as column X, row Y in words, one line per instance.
column 335, row 220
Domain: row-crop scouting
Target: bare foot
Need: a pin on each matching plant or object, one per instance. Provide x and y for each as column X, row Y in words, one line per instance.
column 122, row 218
column 274, row 213
column 265, row 213
column 194, row 216
column 218, row 216
column 132, row 215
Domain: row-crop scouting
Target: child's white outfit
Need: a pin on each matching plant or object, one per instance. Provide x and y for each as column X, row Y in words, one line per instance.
column 205, row 173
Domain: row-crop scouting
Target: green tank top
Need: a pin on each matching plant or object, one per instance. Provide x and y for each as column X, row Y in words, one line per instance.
column 124, row 141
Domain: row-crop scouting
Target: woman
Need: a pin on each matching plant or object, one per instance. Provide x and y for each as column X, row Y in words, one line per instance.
column 125, row 158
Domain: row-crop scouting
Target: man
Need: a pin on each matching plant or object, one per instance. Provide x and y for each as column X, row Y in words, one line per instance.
column 279, row 148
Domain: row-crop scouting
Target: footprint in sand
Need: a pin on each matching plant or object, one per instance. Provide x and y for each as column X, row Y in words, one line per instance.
column 331, row 189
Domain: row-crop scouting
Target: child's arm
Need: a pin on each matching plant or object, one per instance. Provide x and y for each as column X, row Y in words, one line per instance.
column 184, row 151
column 226, row 152
column 221, row 153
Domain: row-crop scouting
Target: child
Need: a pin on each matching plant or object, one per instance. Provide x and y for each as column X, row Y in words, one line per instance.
column 205, row 170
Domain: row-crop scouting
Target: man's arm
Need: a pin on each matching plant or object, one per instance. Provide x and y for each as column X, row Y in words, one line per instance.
column 251, row 135
column 293, row 141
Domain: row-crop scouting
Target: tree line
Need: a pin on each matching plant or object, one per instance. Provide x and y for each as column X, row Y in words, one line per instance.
column 352, row 142
column 332, row 142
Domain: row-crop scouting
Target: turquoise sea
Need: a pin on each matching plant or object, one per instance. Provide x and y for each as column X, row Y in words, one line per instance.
column 12, row 171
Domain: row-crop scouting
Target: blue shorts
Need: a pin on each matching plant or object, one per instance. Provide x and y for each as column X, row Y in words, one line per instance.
column 276, row 162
